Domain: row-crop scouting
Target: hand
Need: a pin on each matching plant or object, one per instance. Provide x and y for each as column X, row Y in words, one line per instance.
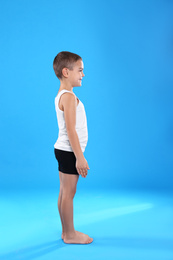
column 82, row 167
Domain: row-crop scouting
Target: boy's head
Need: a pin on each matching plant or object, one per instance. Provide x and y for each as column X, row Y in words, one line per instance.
column 64, row 59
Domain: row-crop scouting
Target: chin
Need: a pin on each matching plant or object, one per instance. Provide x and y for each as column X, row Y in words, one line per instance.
column 79, row 85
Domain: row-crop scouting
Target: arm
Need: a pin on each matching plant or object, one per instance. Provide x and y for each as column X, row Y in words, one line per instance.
column 69, row 105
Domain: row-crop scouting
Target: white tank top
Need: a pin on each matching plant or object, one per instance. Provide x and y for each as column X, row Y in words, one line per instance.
column 63, row 142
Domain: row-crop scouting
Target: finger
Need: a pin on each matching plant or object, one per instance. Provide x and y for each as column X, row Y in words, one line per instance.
column 83, row 174
column 78, row 170
column 83, row 170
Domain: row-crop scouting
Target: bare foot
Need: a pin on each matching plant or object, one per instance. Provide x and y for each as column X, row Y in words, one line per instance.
column 78, row 238
column 62, row 236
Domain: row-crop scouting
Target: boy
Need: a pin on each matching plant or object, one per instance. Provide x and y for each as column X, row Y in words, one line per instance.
column 72, row 140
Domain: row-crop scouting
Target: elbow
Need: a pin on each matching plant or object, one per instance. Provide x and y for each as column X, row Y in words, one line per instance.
column 71, row 130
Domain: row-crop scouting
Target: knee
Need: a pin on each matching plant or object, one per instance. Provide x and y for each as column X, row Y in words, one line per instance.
column 68, row 194
column 61, row 190
column 74, row 192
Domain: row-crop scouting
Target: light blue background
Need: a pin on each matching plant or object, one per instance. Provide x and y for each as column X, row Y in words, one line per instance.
column 127, row 49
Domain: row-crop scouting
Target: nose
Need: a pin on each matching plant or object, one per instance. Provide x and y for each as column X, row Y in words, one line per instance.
column 83, row 74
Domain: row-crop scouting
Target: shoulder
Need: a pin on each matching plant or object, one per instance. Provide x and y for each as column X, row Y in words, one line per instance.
column 68, row 99
column 67, row 96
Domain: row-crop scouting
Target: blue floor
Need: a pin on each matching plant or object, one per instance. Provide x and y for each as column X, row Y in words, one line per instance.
column 124, row 225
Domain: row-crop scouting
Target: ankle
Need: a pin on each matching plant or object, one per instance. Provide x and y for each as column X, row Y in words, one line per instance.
column 69, row 234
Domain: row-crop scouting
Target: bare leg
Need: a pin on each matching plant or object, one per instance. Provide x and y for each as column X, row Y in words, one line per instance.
column 59, row 203
column 69, row 183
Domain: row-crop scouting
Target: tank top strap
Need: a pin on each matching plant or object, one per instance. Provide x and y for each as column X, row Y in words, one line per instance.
column 62, row 92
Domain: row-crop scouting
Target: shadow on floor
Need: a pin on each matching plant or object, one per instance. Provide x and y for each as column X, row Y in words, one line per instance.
column 32, row 252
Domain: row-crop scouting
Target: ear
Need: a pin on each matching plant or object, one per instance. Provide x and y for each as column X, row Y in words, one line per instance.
column 65, row 72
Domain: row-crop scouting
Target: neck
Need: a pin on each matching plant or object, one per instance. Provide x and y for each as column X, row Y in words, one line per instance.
column 66, row 85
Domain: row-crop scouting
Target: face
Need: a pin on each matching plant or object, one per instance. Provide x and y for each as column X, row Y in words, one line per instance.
column 76, row 75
